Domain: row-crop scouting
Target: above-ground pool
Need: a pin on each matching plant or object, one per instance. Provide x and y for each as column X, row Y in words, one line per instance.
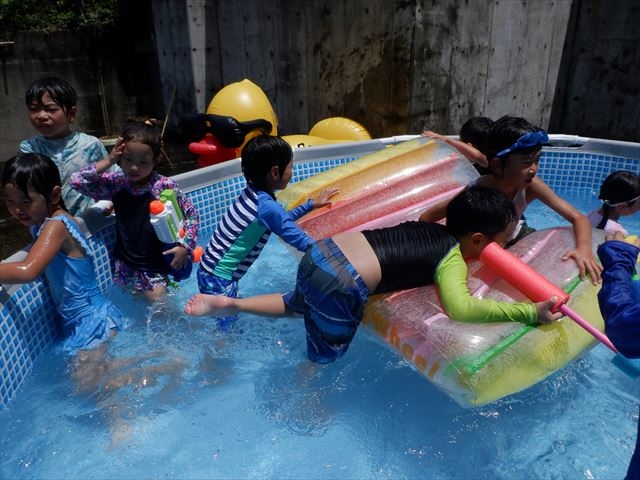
column 187, row 399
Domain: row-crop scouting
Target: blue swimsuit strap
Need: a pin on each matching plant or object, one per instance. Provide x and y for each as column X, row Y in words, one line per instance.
column 76, row 232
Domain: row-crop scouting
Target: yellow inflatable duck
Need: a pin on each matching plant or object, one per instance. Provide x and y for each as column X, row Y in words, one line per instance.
column 241, row 111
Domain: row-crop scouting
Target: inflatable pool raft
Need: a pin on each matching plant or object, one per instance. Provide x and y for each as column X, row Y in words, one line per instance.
column 479, row 363
column 473, row 363
column 382, row 188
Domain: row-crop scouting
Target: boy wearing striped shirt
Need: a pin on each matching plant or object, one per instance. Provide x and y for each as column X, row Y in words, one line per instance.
column 240, row 236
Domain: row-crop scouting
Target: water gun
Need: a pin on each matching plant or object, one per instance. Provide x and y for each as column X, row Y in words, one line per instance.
column 539, row 288
column 535, row 286
column 166, row 220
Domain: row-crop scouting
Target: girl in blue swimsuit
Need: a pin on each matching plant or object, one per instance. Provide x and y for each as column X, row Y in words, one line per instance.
column 32, row 191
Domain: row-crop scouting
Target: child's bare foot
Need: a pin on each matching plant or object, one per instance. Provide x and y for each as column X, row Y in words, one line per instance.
column 202, row 304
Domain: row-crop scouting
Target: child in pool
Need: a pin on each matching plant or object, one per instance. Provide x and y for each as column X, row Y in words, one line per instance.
column 52, row 109
column 337, row 275
column 267, row 163
column 620, row 195
column 473, row 141
column 620, row 308
column 32, row 191
column 514, row 149
column 139, row 255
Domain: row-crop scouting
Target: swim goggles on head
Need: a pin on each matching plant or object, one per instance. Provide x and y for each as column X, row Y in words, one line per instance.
column 528, row 140
column 626, row 202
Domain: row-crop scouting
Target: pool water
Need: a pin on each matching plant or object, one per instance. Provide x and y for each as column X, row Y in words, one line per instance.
column 243, row 403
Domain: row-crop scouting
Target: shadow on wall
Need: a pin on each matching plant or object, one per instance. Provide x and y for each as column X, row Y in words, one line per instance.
column 593, row 56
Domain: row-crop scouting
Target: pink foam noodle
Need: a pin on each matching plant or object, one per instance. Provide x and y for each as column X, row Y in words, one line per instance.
column 535, row 286
column 521, row 276
column 526, row 258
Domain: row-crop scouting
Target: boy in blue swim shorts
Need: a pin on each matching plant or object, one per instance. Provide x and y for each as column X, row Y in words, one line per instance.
column 336, row 276
column 331, row 295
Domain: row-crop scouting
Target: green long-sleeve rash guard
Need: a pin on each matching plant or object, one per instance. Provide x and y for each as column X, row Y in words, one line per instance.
column 451, row 282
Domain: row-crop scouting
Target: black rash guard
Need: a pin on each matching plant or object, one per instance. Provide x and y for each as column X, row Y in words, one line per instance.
column 137, row 243
column 409, row 253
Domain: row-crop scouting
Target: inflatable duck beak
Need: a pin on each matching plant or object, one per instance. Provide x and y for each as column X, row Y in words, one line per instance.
column 227, row 129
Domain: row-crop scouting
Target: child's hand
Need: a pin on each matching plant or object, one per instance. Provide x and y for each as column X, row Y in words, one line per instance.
column 586, row 264
column 430, row 134
column 544, row 311
column 323, row 198
column 180, row 256
column 619, row 236
column 116, row 151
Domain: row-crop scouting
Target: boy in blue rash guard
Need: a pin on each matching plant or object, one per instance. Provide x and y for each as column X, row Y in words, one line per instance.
column 620, row 307
column 337, row 275
column 242, row 233
column 52, row 107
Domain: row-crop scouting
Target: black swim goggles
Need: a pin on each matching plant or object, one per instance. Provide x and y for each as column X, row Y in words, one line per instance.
column 528, row 140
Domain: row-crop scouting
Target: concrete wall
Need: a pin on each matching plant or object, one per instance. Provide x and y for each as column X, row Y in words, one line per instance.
column 395, row 66
column 115, row 79
column 31, row 57
column 598, row 94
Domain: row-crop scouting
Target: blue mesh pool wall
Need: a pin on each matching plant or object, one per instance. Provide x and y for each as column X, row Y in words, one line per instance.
column 28, row 319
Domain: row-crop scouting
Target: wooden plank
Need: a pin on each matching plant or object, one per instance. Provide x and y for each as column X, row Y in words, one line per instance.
column 291, row 100
column 432, row 66
column 359, row 63
column 196, row 28
column 174, row 57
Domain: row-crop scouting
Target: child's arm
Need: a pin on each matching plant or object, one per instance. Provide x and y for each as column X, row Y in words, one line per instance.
column 47, row 245
column 94, row 180
column 324, row 197
column 110, row 160
column 435, row 213
column 583, row 253
column 468, row 151
column 619, row 308
column 458, row 304
column 274, row 217
column 271, row 305
column 321, row 200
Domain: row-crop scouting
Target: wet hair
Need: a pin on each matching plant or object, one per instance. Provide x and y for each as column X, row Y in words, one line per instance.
column 476, row 132
column 62, row 94
column 33, row 169
column 480, row 209
column 505, row 132
column 619, row 187
column 260, row 155
column 143, row 132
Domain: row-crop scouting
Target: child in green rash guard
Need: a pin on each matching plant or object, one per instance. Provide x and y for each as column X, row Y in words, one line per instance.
column 337, row 275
